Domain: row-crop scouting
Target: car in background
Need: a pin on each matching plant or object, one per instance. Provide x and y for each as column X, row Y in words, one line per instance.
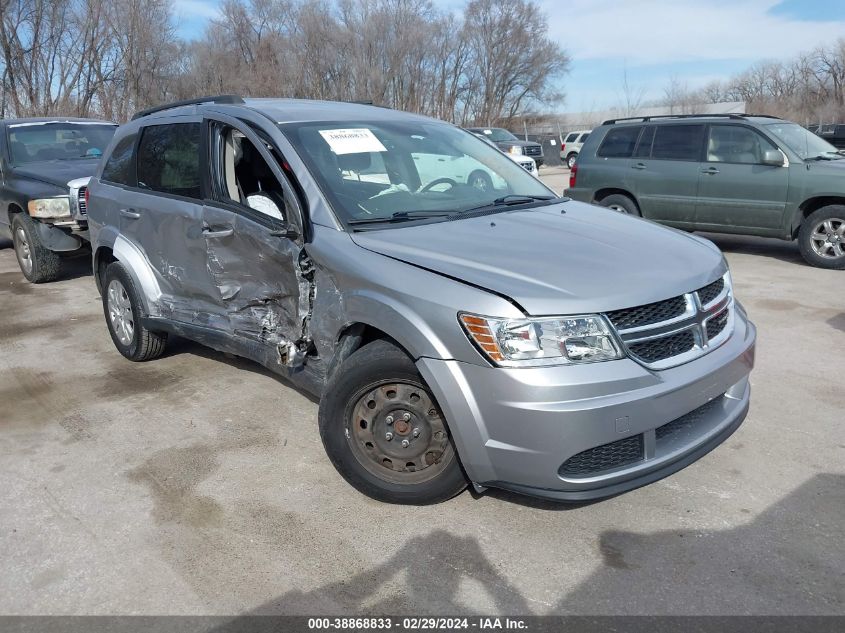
column 833, row 133
column 45, row 164
column 510, row 144
column 526, row 162
column 571, row 145
column 731, row 173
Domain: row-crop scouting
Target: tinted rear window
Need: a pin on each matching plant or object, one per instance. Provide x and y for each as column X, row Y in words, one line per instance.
column 571, row 138
column 118, row 168
column 584, row 138
column 619, row 142
column 644, row 146
column 678, row 142
column 169, row 159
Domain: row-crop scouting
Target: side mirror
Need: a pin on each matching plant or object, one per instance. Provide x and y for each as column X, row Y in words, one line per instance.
column 773, row 157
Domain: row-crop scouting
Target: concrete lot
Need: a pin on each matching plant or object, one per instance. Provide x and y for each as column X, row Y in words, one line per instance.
column 197, row 484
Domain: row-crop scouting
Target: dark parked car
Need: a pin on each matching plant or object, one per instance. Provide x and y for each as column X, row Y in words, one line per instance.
column 510, row 144
column 736, row 173
column 44, row 167
column 833, row 133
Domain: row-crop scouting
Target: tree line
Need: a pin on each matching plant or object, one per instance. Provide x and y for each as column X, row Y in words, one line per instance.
column 808, row 89
column 109, row 58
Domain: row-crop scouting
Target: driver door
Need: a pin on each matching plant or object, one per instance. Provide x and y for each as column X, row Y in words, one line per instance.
column 253, row 231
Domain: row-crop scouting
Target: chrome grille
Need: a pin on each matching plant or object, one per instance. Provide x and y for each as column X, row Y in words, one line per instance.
column 604, row 457
column 83, row 206
column 717, row 324
column 648, row 314
column 707, row 294
column 674, row 331
column 532, row 150
column 664, row 347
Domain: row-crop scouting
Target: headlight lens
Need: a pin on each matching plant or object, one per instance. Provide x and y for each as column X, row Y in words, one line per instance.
column 58, row 207
column 516, row 149
column 542, row 341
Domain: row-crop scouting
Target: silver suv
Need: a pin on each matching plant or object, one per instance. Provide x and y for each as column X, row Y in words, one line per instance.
column 506, row 338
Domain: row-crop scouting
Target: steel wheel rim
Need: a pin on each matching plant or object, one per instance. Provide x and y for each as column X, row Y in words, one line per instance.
column 828, row 238
column 22, row 250
column 619, row 208
column 377, row 443
column 120, row 312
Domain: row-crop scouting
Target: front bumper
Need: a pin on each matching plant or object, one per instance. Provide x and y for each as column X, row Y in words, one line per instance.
column 522, row 429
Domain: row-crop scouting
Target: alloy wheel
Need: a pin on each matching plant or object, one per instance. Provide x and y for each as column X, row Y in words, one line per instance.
column 120, row 312
column 828, row 238
column 23, row 251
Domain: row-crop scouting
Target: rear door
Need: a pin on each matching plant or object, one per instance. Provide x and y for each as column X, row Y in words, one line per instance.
column 253, row 244
column 736, row 190
column 163, row 216
column 667, row 162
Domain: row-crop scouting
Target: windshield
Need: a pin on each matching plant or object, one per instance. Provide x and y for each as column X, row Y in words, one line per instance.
column 802, row 141
column 33, row 142
column 498, row 134
column 384, row 170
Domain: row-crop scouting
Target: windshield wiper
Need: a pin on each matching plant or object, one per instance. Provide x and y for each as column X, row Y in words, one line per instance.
column 400, row 216
column 510, row 200
column 827, row 156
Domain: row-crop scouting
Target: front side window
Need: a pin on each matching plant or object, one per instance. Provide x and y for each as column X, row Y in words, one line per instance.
column 36, row 142
column 169, row 159
column 244, row 177
column 498, row 135
column 374, row 170
column 118, row 167
column 678, row 142
column 802, row 141
column 619, row 142
column 584, row 137
column 736, row 144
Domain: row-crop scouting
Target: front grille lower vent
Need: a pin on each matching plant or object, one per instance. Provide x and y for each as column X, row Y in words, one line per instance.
column 662, row 348
column 648, row 314
column 685, row 423
column 604, row 457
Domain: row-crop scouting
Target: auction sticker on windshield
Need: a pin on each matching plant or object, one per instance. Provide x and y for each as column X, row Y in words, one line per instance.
column 352, row 141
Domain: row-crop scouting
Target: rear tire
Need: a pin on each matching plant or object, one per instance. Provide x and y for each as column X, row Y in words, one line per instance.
column 384, row 432
column 620, row 202
column 122, row 307
column 38, row 263
column 822, row 237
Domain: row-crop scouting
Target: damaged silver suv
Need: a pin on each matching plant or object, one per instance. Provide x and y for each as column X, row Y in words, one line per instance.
column 504, row 337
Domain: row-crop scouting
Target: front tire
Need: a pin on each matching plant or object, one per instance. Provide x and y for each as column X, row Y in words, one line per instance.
column 570, row 160
column 481, row 180
column 383, row 431
column 822, row 237
column 122, row 307
column 621, row 203
column 38, row 263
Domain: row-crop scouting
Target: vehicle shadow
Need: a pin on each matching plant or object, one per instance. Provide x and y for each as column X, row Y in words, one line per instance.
column 837, row 322
column 176, row 346
column 787, row 560
column 764, row 246
column 75, row 267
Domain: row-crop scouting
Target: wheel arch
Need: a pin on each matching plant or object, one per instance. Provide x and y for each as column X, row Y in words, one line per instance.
column 113, row 247
column 811, row 205
column 603, row 193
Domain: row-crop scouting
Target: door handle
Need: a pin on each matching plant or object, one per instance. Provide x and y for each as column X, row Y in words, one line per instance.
column 208, row 234
column 638, row 166
column 132, row 214
column 710, row 171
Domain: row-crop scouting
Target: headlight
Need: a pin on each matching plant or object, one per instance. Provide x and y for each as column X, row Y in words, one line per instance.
column 516, row 149
column 58, row 207
column 542, row 341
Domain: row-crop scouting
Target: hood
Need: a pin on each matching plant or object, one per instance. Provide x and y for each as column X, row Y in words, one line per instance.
column 518, row 143
column 58, row 172
column 565, row 258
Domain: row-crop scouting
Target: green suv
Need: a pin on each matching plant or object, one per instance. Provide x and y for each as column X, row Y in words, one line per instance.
column 733, row 173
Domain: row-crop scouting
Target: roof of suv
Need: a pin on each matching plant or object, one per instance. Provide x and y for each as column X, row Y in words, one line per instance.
column 53, row 119
column 286, row 110
column 669, row 118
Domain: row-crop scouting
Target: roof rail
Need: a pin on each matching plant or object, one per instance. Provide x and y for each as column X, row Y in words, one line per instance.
column 177, row 104
column 728, row 115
